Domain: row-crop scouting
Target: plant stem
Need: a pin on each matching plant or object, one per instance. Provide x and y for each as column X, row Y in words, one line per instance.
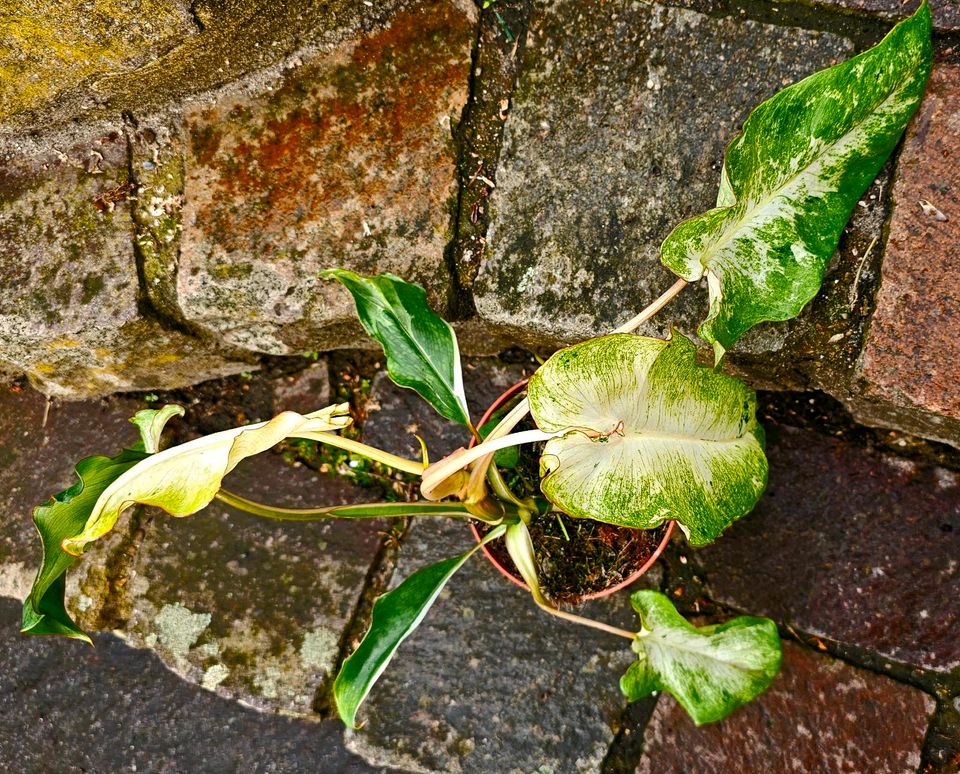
column 655, row 307
column 548, row 608
column 361, row 511
column 440, row 471
column 413, row 467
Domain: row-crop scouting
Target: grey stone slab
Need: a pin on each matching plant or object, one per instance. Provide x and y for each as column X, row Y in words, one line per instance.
column 112, row 708
column 616, row 134
column 251, row 608
column 820, row 716
column 490, row 683
column 851, row 545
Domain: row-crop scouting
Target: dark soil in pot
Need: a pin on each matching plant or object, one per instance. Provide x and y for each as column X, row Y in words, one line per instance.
column 595, row 558
column 576, row 558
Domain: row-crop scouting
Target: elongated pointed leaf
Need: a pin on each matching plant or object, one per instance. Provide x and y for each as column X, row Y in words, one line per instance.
column 710, row 670
column 185, row 478
column 652, row 436
column 395, row 616
column 791, row 180
column 61, row 518
column 421, row 348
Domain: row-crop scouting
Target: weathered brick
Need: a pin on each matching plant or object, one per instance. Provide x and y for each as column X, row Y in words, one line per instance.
column 909, row 372
column 349, row 162
column 54, row 45
column 70, row 316
column 850, row 545
column 820, row 715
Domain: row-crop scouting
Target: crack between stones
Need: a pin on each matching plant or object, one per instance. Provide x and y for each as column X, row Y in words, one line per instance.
column 376, row 583
column 171, row 320
column 116, row 608
column 496, row 62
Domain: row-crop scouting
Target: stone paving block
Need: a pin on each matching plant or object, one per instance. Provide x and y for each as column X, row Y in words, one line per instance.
column 490, row 683
column 54, row 45
column 910, row 363
column 820, row 716
column 252, row 608
column 70, row 317
column 850, row 545
column 616, row 134
column 348, row 162
column 69, row 708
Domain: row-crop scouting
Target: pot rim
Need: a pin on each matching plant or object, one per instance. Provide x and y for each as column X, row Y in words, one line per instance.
column 507, row 395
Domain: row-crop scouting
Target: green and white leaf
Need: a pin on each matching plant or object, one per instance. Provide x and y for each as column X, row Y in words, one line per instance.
column 651, row 436
column 791, row 179
column 709, row 670
column 150, row 423
column 420, row 346
column 185, row 478
column 395, row 616
column 60, row 518
column 65, row 514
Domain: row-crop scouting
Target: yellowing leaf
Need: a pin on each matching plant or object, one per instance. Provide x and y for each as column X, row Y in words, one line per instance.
column 185, row 478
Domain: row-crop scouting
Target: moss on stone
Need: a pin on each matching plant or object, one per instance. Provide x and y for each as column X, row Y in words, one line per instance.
column 52, row 45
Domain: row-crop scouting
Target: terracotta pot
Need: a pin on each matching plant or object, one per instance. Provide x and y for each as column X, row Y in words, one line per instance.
column 497, row 404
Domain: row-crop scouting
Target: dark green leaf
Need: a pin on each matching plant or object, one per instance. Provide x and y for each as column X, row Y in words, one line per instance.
column 421, row 348
column 395, row 616
column 63, row 517
column 791, row 180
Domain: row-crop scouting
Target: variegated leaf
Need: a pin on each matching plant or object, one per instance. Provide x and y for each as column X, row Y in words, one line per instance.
column 791, row 179
column 185, row 478
column 652, row 436
column 710, row 670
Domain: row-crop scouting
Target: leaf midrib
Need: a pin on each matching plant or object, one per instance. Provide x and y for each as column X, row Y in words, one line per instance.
column 658, row 642
column 423, row 354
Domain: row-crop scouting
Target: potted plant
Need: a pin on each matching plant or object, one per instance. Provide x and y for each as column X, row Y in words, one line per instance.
column 635, row 433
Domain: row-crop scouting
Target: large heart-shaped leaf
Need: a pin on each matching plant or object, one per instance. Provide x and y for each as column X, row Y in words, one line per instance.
column 652, row 436
column 710, row 670
column 420, row 346
column 791, row 180
column 395, row 616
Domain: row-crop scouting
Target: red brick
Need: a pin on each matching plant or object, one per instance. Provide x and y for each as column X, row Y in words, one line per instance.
column 820, row 715
column 911, row 358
